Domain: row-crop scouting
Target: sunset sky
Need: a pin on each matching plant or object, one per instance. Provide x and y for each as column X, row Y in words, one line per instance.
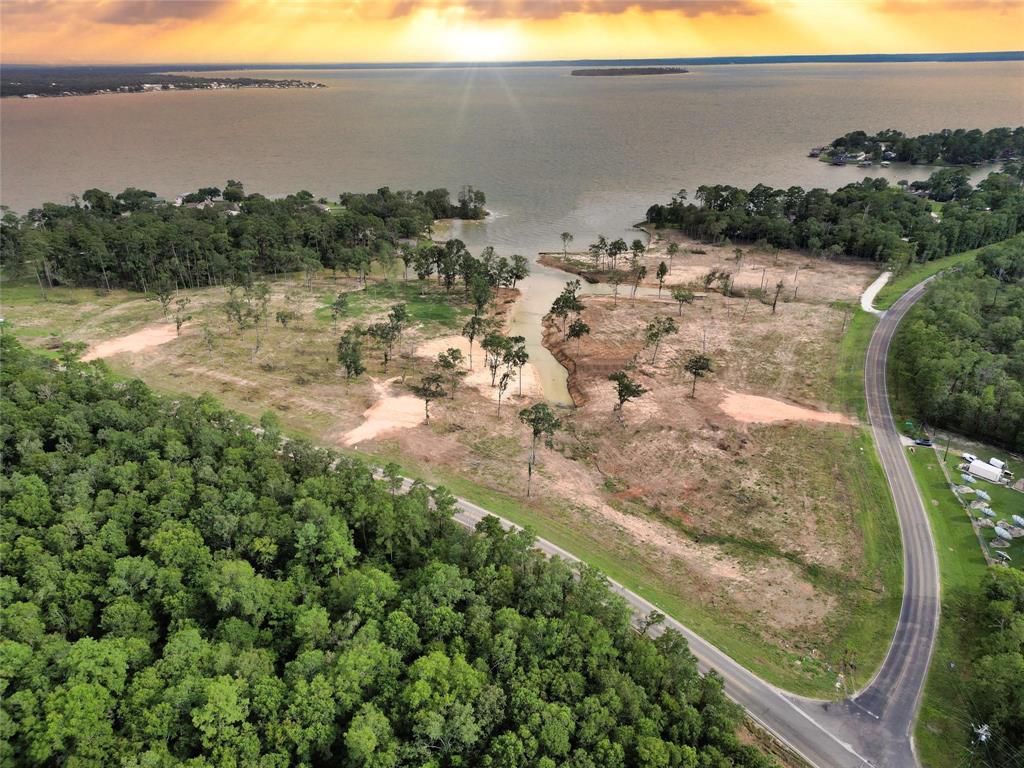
column 146, row 31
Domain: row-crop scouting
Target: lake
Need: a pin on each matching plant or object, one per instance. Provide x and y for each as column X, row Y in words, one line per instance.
column 553, row 152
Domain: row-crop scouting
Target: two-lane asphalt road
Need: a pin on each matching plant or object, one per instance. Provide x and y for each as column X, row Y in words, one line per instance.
column 879, row 720
column 872, row 728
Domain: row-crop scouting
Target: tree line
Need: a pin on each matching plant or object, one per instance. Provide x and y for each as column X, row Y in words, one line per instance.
column 133, row 240
column 181, row 588
column 959, row 146
column 995, row 691
column 870, row 219
column 958, row 358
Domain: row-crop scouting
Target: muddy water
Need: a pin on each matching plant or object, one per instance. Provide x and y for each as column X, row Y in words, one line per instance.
column 537, row 293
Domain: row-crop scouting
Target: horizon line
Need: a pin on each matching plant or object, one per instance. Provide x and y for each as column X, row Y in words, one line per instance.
column 949, row 56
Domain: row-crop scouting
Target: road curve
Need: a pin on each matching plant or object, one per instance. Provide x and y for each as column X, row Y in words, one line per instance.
column 873, row 728
column 879, row 719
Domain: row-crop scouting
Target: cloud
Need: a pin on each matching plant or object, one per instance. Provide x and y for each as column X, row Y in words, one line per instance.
column 553, row 9
column 156, row 11
column 114, row 12
column 938, row 6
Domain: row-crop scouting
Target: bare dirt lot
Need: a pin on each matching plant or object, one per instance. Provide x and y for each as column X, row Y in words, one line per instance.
column 743, row 511
column 803, row 277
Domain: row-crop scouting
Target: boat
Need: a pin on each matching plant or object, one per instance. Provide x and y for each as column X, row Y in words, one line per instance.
column 864, row 164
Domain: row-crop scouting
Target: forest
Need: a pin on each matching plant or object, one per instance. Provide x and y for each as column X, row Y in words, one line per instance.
column 870, row 219
column 182, row 587
column 958, row 146
column 958, row 358
column 996, row 689
column 135, row 240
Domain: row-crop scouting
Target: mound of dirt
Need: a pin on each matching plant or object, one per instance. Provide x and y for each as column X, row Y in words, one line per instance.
column 140, row 341
column 753, row 409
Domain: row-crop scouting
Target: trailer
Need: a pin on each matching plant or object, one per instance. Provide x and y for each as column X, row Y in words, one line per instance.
column 998, row 464
column 985, row 471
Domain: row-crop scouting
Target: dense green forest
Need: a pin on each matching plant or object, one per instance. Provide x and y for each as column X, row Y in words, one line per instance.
column 958, row 358
column 995, row 693
column 134, row 240
column 177, row 590
column 958, row 146
column 870, row 219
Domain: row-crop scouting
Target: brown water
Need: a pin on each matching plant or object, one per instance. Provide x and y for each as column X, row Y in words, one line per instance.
column 554, row 153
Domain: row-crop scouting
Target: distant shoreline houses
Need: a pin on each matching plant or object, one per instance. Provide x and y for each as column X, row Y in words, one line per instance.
column 202, row 84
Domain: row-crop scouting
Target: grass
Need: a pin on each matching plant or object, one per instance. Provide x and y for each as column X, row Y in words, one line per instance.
column 432, row 307
column 941, row 733
column 916, row 273
column 800, row 673
column 849, row 374
column 864, row 622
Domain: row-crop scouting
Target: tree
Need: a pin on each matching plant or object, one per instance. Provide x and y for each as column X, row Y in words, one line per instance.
column 625, row 388
column 285, row 316
column 450, row 364
column 577, row 330
column 566, row 239
column 180, row 313
column 681, row 297
column 638, row 274
column 516, row 356
column 338, row 306
column 661, row 274
column 162, row 291
column 234, row 191
column 480, row 292
column 616, row 277
column 495, row 346
column 658, row 329
column 638, row 249
column 673, row 251
column 385, row 335
column 350, row 352
column 615, row 249
column 430, row 388
column 519, row 270
column 473, row 328
column 697, row 366
column 543, row 424
column 503, row 383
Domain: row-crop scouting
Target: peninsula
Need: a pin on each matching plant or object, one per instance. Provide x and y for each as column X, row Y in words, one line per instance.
column 623, row 71
column 37, row 82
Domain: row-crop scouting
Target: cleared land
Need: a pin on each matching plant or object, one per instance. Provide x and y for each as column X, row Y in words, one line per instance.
column 775, row 539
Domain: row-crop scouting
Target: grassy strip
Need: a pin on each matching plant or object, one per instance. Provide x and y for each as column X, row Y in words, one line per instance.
column 849, row 375
column 941, row 733
column 916, row 273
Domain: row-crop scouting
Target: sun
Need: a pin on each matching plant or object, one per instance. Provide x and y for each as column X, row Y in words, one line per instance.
column 475, row 42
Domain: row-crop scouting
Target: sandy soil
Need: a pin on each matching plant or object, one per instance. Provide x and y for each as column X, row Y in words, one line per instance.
column 480, row 377
column 804, row 278
column 139, row 341
column 753, row 409
column 391, row 412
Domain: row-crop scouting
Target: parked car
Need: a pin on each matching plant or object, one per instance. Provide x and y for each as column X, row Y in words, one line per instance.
column 968, row 457
column 925, row 441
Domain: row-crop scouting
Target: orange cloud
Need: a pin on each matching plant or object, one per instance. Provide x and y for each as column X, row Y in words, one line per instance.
column 148, row 31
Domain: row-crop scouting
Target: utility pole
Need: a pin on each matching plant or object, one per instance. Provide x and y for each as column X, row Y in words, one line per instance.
column 945, row 453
